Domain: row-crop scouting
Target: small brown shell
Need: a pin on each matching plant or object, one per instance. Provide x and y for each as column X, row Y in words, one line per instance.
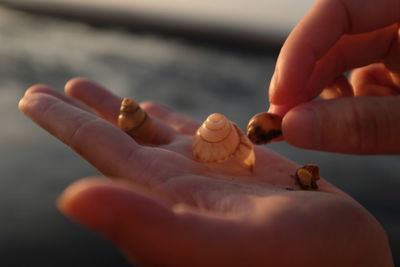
column 133, row 120
column 307, row 176
column 263, row 127
column 219, row 139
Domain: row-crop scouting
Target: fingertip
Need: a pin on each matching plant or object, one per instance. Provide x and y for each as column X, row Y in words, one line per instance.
column 74, row 193
column 94, row 95
column 22, row 104
column 38, row 88
column 300, row 128
column 99, row 203
column 33, row 102
column 95, row 203
column 73, row 85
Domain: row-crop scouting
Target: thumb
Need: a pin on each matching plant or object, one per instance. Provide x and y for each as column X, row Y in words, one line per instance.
column 147, row 231
column 355, row 125
column 139, row 224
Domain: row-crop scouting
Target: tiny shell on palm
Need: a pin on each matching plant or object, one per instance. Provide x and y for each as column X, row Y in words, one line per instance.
column 219, row 139
column 132, row 117
column 307, row 176
column 135, row 121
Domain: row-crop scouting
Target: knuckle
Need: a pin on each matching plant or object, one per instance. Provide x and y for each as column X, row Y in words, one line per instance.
column 81, row 132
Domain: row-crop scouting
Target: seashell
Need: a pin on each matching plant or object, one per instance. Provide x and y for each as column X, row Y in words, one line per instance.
column 307, row 176
column 219, row 139
column 133, row 120
column 264, row 127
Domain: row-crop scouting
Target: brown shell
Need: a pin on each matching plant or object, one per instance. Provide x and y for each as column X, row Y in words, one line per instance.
column 133, row 120
column 263, row 127
column 219, row 139
column 307, row 176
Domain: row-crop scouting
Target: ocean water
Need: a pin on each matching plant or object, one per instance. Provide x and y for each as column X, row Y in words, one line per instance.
column 191, row 78
column 262, row 20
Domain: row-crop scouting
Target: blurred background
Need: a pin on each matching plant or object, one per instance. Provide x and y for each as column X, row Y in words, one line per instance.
column 197, row 57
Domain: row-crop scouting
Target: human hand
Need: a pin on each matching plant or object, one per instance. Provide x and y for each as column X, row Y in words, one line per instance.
column 362, row 116
column 164, row 208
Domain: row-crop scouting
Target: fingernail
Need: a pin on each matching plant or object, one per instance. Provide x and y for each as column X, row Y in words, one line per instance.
column 301, row 127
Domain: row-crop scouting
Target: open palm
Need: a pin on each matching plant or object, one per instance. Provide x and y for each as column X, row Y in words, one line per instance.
column 164, row 208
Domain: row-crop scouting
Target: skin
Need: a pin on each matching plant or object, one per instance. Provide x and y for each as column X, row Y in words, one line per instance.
column 359, row 115
column 163, row 208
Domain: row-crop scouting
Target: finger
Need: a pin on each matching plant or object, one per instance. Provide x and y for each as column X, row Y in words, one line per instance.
column 107, row 105
column 46, row 89
column 374, row 80
column 179, row 122
column 339, row 88
column 348, row 53
column 132, row 220
column 143, row 225
column 99, row 142
column 315, row 35
column 356, row 125
column 351, row 52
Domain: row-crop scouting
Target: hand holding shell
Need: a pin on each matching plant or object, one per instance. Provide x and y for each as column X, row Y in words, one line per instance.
column 175, row 188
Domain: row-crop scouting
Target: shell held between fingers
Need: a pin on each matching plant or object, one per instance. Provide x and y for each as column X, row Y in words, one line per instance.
column 218, row 139
column 133, row 120
column 263, row 127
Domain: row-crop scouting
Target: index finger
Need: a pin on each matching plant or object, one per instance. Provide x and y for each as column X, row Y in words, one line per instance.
column 99, row 142
column 313, row 37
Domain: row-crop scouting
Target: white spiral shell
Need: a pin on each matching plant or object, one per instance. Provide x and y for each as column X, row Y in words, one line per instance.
column 219, row 139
